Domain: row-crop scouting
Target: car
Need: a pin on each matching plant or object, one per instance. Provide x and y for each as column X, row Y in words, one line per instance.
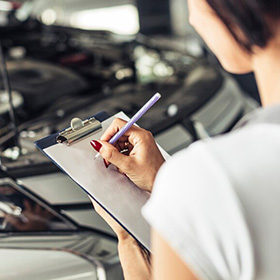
column 37, row 241
column 49, row 229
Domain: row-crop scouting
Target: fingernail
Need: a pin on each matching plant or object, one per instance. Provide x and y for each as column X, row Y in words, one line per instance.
column 96, row 145
column 106, row 164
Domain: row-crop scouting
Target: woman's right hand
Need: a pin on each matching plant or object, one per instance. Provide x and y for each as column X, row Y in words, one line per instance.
column 142, row 160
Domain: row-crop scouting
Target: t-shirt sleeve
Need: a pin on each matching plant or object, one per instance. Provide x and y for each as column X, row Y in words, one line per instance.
column 195, row 209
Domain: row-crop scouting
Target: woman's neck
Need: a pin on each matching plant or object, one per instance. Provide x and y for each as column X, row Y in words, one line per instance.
column 266, row 64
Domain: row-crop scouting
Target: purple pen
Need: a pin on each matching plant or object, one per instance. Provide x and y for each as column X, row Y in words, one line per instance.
column 134, row 119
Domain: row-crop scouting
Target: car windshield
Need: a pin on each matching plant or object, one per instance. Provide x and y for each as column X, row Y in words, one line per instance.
column 20, row 213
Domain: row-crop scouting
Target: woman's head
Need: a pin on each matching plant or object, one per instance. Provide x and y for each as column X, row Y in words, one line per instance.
column 233, row 28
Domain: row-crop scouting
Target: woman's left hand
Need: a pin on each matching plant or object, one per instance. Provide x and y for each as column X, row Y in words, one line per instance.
column 118, row 229
column 135, row 260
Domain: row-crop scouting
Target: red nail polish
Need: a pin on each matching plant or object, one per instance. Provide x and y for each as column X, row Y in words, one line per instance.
column 96, row 145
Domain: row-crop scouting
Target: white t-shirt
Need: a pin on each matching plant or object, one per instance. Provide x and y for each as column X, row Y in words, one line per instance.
column 217, row 203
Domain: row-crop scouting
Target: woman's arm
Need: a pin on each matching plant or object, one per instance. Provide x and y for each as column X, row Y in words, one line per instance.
column 140, row 164
column 135, row 260
column 166, row 263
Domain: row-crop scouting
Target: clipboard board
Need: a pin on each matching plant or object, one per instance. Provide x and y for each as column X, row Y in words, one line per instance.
column 113, row 191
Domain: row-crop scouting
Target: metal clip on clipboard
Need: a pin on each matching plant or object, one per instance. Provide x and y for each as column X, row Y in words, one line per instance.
column 78, row 130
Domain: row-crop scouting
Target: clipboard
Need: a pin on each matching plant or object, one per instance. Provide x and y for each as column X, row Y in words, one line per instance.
column 71, row 151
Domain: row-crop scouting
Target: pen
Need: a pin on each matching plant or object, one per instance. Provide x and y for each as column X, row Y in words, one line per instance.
column 134, row 119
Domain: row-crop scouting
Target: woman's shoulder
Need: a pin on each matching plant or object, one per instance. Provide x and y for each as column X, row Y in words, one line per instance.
column 251, row 142
column 244, row 156
column 220, row 191
column 269, row 114
column 191, row 206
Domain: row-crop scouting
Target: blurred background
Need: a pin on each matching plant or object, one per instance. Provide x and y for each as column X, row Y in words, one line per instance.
column 69, row 58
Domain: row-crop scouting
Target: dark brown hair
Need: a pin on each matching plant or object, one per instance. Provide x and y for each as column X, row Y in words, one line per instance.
column 251, row 22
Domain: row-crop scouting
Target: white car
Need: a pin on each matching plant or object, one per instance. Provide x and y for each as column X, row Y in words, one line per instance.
column 38, row 241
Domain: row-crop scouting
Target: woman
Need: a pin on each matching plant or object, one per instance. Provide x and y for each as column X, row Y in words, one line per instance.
column 214, row 206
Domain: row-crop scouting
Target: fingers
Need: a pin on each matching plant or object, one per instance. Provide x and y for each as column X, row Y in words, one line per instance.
column 123, row 146
column 120, row 232
column 133, row 136
column 99, row 209
column 115, row 126
column 135, row 154
column 94, row 203
column 112, row 155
